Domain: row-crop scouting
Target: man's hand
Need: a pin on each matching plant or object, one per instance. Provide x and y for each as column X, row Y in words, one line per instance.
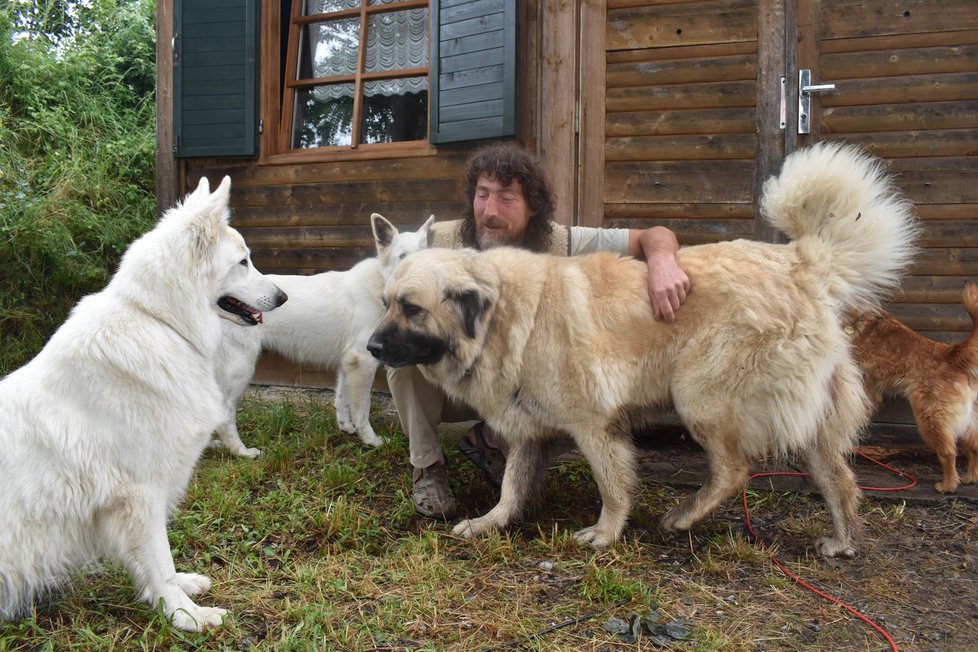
column 668, row 283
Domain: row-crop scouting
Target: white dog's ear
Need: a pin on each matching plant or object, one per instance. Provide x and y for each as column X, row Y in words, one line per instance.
column 220, row 199
column 384, row 231
column 203, row 187
column 423, row 231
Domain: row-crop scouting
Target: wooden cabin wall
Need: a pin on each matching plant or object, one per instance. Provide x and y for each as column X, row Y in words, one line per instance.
column 680, row 117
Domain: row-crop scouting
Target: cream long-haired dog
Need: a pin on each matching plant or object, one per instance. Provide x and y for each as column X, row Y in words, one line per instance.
column 99, row 433
column 755, row 364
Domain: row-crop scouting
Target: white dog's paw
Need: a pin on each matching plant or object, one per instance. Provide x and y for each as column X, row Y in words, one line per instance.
column 829, row 547
column 196, row 618
column 250, row 453
column 370, row 438
column 192, row 583
column 595, row 536
column 472, row 527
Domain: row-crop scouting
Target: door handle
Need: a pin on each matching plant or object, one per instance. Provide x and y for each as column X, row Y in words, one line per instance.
column 805, row 90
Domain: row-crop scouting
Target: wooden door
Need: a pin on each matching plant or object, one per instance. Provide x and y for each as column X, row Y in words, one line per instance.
column 682, row 119
column 906, row 78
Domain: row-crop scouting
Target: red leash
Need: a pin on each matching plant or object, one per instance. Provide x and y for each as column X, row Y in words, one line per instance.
column 797, row 580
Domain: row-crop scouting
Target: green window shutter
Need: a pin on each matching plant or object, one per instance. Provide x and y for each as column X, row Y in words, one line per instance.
column 473, row 70
column 215, row 89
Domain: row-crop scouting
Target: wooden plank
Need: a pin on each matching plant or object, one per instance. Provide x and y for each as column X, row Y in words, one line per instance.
column 309, row 261
column 932, row 316
column 662, row 211
column 717, row 21
column 675, row 182
column 899, row 144
column 353, row 192
column 931, row 289
column 682, row 52
column 895, row 63
column 445, row 165
column 735, row 120
column 593, row 119
column 694, row 231
column 951, row 261
column 900, row 41
column 896, row 90
column 936, row 186
column 403, row 214
column 673, row 71
column 682, row 96
column 856, row 18
column 682, row 147
column 901, row 117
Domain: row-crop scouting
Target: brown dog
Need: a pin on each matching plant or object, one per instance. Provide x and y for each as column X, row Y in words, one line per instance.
column 939, row 380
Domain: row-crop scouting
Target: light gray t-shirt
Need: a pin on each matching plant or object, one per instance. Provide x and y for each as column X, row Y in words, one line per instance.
column 587, row 239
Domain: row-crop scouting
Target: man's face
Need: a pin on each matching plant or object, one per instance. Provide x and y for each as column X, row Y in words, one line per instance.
column 501, row 213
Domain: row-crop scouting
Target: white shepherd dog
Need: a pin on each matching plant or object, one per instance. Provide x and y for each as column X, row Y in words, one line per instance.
column 326, row 323
column 101, row 431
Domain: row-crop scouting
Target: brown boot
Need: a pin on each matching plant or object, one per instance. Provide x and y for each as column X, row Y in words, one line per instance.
column 486, row 450
column 431, row 494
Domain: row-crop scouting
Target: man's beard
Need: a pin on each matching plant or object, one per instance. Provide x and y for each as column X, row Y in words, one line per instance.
column 488, row 241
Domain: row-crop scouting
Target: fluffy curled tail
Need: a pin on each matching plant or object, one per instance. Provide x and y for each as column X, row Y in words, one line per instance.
column 968, row 349
column 847, row 218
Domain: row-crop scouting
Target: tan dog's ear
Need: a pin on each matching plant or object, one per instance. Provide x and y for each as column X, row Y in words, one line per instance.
column 470, row 305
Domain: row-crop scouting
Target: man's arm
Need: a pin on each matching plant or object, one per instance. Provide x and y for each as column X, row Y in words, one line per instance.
column 668, row 283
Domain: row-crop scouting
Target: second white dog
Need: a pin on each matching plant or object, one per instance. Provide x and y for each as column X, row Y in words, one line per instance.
column 326, row 322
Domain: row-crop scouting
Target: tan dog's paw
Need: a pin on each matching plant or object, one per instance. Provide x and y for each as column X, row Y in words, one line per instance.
column 829, row 547
column 473, row 527
column 676, row 520
column 596, row 537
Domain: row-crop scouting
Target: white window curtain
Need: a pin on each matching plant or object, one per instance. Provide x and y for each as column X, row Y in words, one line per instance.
column 396, row 40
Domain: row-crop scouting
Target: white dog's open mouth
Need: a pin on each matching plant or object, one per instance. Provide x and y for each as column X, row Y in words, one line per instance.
column 248, row 315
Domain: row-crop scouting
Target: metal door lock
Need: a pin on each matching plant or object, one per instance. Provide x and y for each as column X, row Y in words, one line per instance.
column 805, row 89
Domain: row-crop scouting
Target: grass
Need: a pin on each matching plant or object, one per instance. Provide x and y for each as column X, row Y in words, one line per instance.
column 315, row 546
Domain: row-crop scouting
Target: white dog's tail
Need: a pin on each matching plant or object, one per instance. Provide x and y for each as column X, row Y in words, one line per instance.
column 848, row 219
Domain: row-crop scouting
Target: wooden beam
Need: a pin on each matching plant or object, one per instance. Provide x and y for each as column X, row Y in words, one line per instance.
column 770, row 141
column 166, row 166
column 558, row 99
column 590, row 173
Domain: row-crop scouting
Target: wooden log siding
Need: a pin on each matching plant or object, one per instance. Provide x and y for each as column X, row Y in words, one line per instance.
column 315, row 217
column 680, row 117
column 907, row 74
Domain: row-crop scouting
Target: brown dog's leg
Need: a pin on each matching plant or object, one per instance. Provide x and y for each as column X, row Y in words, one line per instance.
column 970, row 447
column 941, row 440
column 612, row 459
column 729, row 471
column 526, row 469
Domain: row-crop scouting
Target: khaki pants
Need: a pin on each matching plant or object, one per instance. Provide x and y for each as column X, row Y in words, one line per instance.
column 421, row 407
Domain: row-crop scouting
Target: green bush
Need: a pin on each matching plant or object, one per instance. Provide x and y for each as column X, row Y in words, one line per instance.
column 77, row 157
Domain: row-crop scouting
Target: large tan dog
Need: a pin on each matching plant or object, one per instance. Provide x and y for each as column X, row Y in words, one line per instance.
column 755, row 364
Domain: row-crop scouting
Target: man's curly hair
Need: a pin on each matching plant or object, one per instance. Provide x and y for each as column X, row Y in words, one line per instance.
column 505, row 162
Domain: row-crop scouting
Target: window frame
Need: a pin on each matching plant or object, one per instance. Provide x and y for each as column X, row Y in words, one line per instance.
column 286, row 89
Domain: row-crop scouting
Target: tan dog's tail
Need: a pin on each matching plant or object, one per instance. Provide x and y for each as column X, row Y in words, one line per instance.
column 849, row 222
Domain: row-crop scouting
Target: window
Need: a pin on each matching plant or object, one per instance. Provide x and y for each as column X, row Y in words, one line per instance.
column 360, row 75
column 341, row 78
